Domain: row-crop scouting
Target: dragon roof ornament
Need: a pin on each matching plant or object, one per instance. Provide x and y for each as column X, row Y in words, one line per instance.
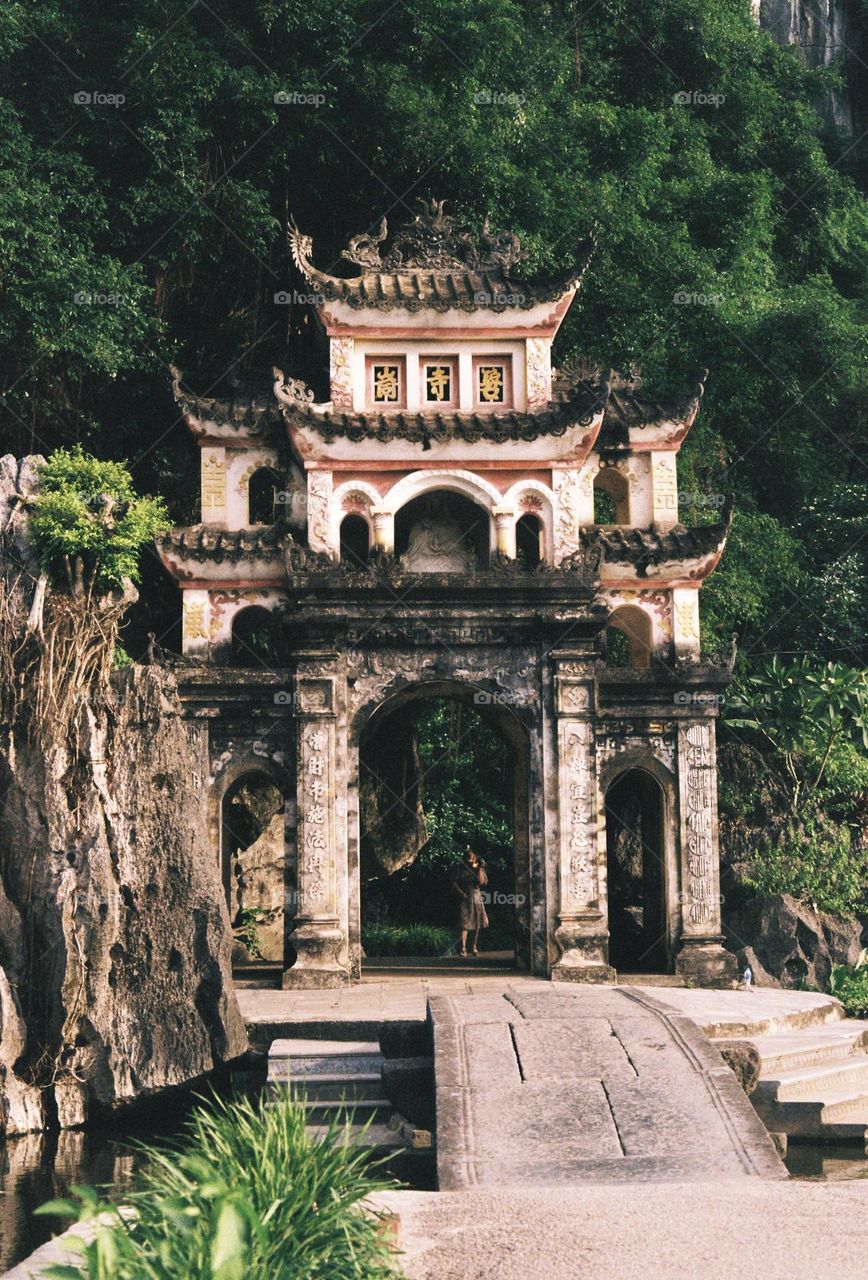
column 434, row 240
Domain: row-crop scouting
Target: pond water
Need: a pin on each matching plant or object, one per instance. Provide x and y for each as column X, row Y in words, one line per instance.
column 42, row 1166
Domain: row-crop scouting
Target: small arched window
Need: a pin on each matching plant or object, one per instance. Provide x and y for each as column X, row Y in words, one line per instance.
column 611, row 497
column 529, row 541
column 355, row 540
column 629, row 641
column 262, row 490
column 254, row 638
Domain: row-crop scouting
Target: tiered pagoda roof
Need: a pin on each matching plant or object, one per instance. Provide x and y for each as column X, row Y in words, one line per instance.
column 435, row 263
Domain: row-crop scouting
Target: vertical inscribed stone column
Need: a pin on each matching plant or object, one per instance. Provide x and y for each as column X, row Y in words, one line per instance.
column 581, row 933
column 319, row 936
column 702, row 955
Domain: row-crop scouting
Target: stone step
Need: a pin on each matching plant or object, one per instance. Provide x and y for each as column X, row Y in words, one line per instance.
column 379, row 1137
column 788, row 1051
column 359, row 1110
column 322, row 1059
column 832, row 1114
column 319, row 1087
column 848, row 1074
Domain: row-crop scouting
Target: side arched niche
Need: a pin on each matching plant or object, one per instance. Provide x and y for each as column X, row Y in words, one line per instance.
column 629, row 638
column 253, row 864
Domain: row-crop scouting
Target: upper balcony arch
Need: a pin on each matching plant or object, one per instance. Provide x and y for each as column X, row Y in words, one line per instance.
column 466, row 483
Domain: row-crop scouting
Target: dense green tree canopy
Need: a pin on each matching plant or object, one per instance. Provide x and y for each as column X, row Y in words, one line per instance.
column 147, row 172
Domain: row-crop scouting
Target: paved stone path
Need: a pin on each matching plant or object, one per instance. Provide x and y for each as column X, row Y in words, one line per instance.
column 554, row 1085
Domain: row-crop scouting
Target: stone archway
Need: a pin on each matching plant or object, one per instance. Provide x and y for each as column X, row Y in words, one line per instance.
column 378, row 718
column 641, row 870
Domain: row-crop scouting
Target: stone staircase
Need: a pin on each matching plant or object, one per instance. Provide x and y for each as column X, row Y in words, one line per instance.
column 336, row 1080
column 343, row 1080
column 814, row 1081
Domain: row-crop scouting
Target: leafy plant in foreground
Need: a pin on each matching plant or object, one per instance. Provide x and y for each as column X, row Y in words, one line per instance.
column 249, row 1196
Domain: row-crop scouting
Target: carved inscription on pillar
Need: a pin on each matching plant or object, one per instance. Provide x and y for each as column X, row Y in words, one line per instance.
column 316, row 826
column 578, row 823
column 213, row 480
column 702, row 907
column 315, row 696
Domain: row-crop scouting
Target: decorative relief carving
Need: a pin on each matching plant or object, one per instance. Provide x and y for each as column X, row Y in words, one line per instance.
column 614, row 737
column 572, row 697
column 539, row 373
column 319, row 493
column 194, row 620
column 567, row 488
column 316, row 696
column 702, row 905
column 213, row 481
column 341, row 372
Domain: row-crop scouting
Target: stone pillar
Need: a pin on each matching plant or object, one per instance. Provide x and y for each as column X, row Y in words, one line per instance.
column 384, row 528
column 581, row 933
column 702, row 955
column 685, row 623
column 320, row 933
column 504, row 525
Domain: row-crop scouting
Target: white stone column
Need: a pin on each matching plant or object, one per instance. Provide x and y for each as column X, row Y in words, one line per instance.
column 384, row 528
column 581, row 932
column 504, row 526
column 320, row 935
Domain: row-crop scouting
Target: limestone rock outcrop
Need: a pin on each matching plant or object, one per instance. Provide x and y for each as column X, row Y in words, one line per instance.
column 788, row 943
column 115, row 943
column 825, row 32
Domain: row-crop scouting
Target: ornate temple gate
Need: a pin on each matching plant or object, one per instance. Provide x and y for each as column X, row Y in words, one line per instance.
column 457, row 514
column 525, row 647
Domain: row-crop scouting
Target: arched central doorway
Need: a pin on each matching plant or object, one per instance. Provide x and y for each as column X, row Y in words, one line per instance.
column 638, row 871
column 442, row 767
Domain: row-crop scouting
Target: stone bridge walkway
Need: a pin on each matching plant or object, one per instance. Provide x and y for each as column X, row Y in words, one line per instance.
column 551, row 1085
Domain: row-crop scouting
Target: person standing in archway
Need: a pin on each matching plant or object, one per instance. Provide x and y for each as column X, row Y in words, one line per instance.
column 467, row 882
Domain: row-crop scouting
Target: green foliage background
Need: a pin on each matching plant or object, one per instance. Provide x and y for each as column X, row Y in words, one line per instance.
column 137, row 232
